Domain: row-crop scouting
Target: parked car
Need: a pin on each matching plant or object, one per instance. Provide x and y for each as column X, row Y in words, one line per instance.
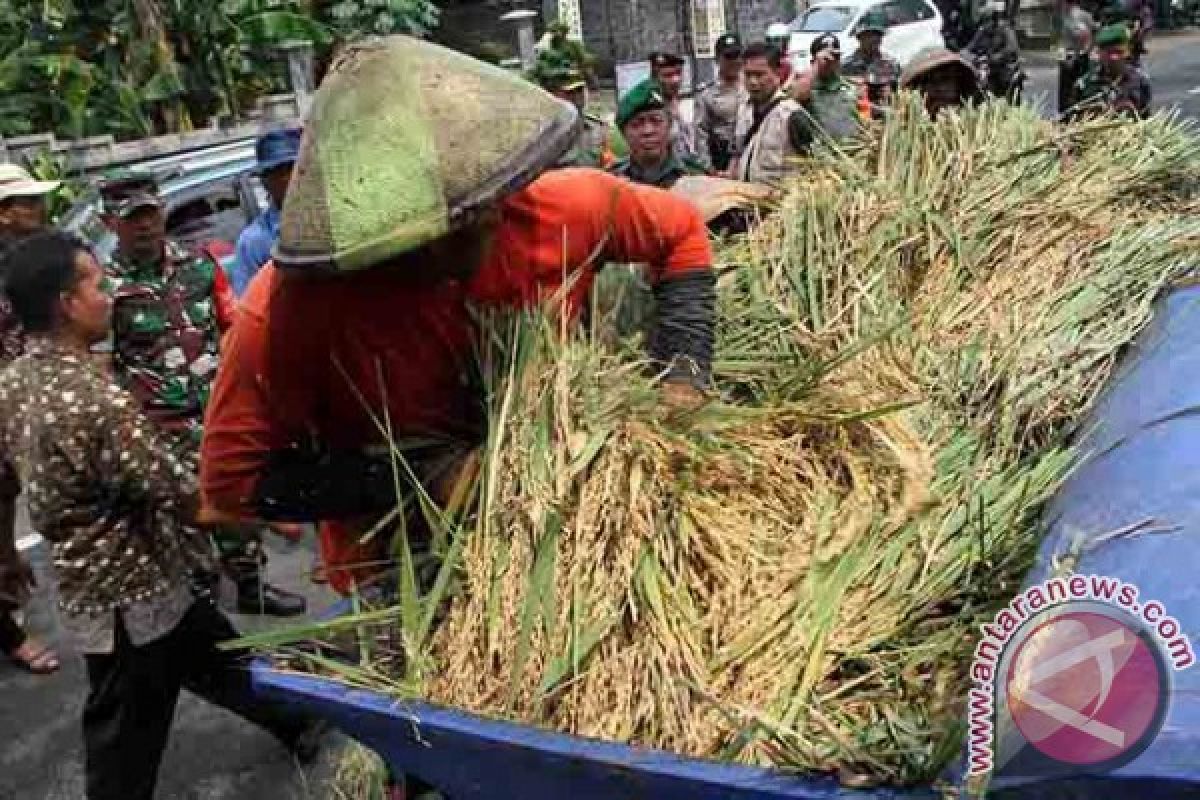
column 913, row 25
column 209, row 196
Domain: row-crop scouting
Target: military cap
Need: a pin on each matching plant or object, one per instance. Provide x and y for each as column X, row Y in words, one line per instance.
column 1113, row 35
column 646, row 96
column 135, row 201
column 826, row 41
column 873, row 22
column 664, row 59
column 728, row 43
column 118, row 186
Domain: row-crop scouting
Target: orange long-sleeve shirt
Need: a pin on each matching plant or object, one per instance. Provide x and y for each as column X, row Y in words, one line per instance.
column 319, row 357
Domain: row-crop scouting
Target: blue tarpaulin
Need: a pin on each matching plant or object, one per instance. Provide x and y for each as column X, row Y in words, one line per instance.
column 1142, row 471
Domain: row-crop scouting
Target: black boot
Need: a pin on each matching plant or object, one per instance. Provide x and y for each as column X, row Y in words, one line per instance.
column 305, row 746
column 256, row 596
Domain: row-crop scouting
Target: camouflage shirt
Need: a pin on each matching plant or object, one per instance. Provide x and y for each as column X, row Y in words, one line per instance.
column 1130, row 91
column 882, row 69
column 833, row 108
column 105, row 492
column 166, row 333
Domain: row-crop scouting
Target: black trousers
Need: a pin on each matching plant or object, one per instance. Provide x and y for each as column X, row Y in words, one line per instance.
column 133, row 694
column 11, row 634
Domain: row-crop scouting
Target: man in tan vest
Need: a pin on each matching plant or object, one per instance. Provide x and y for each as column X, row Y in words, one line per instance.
column 771, row 127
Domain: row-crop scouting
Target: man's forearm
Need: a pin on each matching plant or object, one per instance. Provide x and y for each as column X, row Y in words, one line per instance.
column 683, row 338
column 306, row 485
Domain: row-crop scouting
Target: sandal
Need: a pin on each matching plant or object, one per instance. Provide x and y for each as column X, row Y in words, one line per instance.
column 35, row 658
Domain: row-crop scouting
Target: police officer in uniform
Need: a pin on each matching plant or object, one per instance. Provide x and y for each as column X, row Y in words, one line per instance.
column 717, row 106
column 666, row 69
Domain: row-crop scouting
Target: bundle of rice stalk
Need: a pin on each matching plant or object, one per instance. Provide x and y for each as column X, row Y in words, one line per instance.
column 630, row 561
column 793, row 575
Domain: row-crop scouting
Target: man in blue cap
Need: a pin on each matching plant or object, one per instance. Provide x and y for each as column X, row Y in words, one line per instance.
column 276, row 152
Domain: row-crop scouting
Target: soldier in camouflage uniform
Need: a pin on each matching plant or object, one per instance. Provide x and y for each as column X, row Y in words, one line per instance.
column 879, row 72
column 645, row 123
column 829, row 101
column 170, row 306
column 1113, row 83
column 563, row 80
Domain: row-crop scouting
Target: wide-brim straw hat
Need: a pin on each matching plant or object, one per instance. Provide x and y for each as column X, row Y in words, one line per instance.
column 15, row 181
column 932, row 58
column 407, row 141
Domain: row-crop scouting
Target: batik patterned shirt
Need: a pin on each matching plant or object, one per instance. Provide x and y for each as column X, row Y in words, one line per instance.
column 104, row 491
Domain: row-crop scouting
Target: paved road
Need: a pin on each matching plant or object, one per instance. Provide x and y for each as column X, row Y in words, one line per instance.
column 1173, row 65
column 212, row 755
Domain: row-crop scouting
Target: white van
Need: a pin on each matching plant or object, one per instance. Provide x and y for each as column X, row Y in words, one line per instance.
column 913, row 25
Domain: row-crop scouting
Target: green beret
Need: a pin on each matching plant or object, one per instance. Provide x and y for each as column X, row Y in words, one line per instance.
column 646, row 96
column 873, row 22
column 1113, row 35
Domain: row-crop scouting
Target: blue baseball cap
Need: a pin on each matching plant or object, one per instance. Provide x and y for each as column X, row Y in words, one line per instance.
column 277, row 149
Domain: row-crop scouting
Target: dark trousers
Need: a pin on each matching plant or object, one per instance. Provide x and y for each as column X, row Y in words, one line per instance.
column 11, row 634
column 133, row 694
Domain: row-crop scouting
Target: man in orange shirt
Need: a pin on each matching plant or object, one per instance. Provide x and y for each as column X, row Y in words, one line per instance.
column 364, row 315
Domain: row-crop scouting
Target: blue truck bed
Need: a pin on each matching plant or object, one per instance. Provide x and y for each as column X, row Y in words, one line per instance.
column 1143, row 442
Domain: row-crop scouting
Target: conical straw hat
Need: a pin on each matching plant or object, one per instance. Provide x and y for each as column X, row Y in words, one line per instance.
column 405, row 142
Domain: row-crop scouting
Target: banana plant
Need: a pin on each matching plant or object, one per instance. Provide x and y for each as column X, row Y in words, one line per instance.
column 353, row 18
column 131, row 67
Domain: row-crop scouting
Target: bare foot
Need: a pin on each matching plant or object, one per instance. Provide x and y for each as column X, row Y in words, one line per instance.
column 35, row 657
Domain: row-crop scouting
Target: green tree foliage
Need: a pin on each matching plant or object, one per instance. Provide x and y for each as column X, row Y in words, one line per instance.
column 132, row 68
column 350, row 19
